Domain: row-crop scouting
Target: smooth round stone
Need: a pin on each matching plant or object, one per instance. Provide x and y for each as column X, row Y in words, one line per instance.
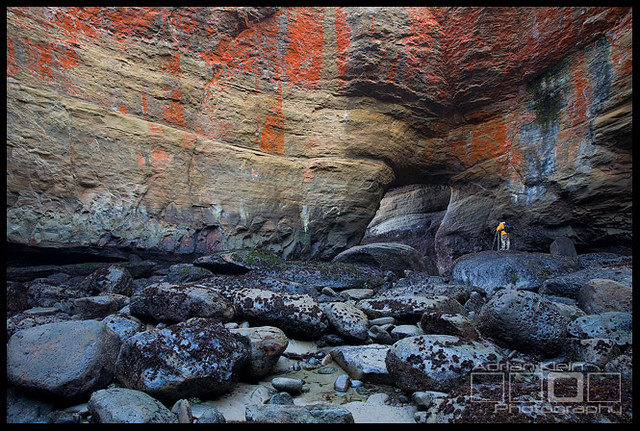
column 286, row 384
column 342, row 383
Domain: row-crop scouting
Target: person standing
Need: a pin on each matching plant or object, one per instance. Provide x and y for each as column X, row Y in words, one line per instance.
column 504, row 229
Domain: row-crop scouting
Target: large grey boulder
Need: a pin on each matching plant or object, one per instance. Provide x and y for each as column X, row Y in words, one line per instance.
column 490, row 270
column 280, row 413
column 407, row 307
column 614, row 325
column 126, row 406
column 348, row 320
column 525, row 321
column 437, row 362
column 199, row 357
column 265, row 344
column 66, row 359
column 172, row 303
column 366, row 362
column 601, row 295
column 113, row 278
column 298, row 315
column 384, row 255
column 569, row 285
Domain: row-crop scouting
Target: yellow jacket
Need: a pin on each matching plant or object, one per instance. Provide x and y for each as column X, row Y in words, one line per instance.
column 500, row 229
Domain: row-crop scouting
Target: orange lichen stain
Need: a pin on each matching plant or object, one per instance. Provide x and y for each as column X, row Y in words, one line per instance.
column 122, row 109
column 173, row 111
column 486, row 141
column 188, row 142
column 11, row 66
column 141, row 160
column 146, row 108
column 171, row 64
column 272, row 136
column 156, row 131
column 343, row 31
column 303, row 55
column 160, row 158
column 123, row 23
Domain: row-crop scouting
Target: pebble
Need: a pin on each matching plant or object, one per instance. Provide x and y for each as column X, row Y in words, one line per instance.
column 286, row 384
column 282, row 398
column 342, row 383
column 382, row 320
column 356, row 383
column 326, row 370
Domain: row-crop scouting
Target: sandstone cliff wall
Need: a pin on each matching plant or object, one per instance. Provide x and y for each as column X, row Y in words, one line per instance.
column 200, row 129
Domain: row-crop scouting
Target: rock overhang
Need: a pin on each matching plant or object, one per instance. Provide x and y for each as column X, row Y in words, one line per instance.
column 301, row 111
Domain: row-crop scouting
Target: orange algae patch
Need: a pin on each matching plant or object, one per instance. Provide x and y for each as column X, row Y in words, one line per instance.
column 342, row 30
column 173, row 112
column 303, row 57
column 272, row 135
column 160, row 158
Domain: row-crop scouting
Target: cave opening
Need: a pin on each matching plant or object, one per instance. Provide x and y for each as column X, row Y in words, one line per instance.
column 411, row 214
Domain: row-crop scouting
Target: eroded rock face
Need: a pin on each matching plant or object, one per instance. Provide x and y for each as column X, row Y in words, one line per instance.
column 207, row 129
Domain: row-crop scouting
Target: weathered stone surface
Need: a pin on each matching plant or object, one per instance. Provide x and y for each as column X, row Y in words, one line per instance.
column 168, row 302
column 296, row 314
column 276, row 413
column 109, row 279
column 600, row 295
column 569, row 285
column 407, row 307
column 490, row 270
column 65, row 359
column 366, row 363
column 436, row 362
column 209, row 129
column 525, row 321
column 348, row 320
column 265, row 344
column 614, row 325
column 194, row 358
column 122, row 405
column 563, row 246
column 386, row 256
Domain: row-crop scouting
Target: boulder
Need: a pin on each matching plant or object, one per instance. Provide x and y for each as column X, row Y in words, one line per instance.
column 348, row 320
column 186, row 273
column 123, row 325
column 614, row 325
column 281, row 413
column 600, row 295
column 95, row 307
column 436, row 362
column 265, row 344
column 366, row 363
column 525, row 321
column 198, row 357
column 563, row 246
column 569, row 285
column 124, row 406
column 298, row 315
column 407, row 307
column 385, row 255
column 113, row 278
column 490, row 270
column 236, row 261
column 449, row 324
column 597, row 351
column 66, row 359
column 171, row 303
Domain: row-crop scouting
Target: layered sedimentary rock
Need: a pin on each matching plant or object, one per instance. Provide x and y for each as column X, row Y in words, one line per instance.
column 204, row 129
